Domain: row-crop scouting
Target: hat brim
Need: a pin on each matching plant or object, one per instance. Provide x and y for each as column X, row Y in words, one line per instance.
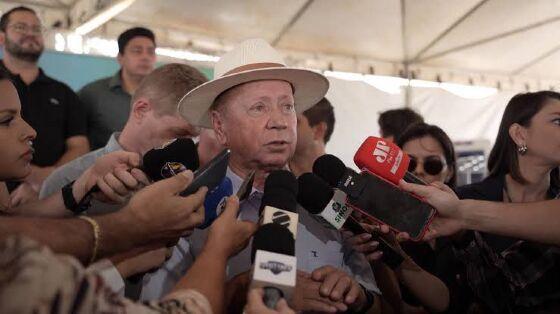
column 309, row 88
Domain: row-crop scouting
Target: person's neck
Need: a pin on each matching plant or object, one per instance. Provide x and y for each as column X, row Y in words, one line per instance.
column 131, row 141
column 538, row 182
column 303, row 162
column 130, row 82
column 28, row 71
column 243, row 171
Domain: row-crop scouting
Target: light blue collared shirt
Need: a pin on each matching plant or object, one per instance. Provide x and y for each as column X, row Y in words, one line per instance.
column 316, row 246
column 74, row 169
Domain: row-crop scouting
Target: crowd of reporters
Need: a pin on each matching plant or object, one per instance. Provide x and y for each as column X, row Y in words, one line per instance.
column 92, row 232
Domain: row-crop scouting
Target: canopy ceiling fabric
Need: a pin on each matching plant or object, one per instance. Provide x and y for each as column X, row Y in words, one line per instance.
column 493, row 37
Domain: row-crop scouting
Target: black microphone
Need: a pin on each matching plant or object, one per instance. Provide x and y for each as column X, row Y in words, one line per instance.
column 377, row 197
column 171, row 159
column 165, row 162
column 274, row 263
column 329, row 207
column 279, row 201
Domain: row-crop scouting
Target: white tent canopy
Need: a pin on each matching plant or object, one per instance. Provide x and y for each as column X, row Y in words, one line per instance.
column 508, row 44
column 512, row 44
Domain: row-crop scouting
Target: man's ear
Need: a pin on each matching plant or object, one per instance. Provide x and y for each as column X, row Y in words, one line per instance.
column 217, row 119
column 140, row 108
column 2, row 38
column 120, row 59
column 319, row 131
column 518, row 134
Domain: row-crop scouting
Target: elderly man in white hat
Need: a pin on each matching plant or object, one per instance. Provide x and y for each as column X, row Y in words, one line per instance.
column 252, row 104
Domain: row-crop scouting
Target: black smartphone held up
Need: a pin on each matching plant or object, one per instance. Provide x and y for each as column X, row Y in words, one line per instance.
column 388, row 204
column 211, row 175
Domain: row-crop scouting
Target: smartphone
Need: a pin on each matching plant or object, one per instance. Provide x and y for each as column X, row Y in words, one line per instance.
column 211, row 175
column 386, row 203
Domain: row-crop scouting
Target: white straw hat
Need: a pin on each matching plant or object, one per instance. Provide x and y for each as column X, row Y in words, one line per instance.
column 252, row 60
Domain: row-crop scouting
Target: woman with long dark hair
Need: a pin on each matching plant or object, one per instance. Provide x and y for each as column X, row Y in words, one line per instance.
column 508, row 275
column 432, row 159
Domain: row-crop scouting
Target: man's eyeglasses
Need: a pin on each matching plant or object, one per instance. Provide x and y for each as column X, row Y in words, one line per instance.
column 26, row 29
column 433, row 165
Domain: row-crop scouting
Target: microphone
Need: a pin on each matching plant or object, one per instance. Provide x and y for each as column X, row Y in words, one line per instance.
column 329, row 206
column 214, row 203
column 161, row 163
column 274, row 263
column 178, row 156
column 279, row 202
column 171, row 159
column 376, row 197
column 386, row 160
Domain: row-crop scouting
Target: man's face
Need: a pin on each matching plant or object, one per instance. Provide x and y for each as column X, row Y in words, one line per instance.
column 139, row 56
column 305, row 134
column 166, row 127
column 258, row 123
column 23, row 37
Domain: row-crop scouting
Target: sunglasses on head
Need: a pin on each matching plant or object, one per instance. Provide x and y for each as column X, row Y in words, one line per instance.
column 432, row 165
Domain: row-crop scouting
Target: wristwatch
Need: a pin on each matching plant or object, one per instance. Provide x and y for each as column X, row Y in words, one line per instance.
column 70, row 202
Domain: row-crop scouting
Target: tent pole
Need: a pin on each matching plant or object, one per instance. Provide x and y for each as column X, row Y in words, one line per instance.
column 407, row 89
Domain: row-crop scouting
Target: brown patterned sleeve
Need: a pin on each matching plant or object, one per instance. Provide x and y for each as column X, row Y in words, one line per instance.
column 35, row 280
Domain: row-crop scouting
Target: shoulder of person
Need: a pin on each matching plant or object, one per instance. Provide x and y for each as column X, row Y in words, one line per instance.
column 488, row 189
column 96, row 85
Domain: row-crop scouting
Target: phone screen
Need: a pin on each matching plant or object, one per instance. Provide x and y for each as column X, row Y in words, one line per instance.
column 392, row 206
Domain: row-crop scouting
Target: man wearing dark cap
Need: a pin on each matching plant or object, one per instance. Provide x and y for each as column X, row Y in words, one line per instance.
column 107, row 100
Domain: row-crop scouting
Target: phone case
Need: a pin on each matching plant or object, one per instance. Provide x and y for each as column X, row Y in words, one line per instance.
column 211, row 175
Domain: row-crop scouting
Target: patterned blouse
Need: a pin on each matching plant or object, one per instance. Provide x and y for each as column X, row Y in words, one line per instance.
column 33, row 279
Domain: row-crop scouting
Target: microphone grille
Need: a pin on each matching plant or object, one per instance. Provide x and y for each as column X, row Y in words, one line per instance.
column 329, row 168
column 313, row 193
column 280, row 191
column 161, row 163
column 273, row 238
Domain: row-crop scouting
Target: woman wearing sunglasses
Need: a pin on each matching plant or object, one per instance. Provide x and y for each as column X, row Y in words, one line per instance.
column 508, row 275
column 433, row 160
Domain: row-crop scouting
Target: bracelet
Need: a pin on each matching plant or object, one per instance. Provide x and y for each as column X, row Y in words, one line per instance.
column 96, row 233
column 71, row 204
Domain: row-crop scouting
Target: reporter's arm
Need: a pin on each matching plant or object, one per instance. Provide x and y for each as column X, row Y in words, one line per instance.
column 539, row 221
column 227, row 236
column 115, row 174
column 73, row 236
column 427, row 288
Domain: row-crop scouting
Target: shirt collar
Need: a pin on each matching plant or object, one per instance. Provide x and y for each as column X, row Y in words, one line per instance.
column 42, row 77
column 116, row 81
column 113, row 143
column 236, row 181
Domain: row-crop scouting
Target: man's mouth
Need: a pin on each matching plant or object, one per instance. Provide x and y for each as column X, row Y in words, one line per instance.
column 277, row 143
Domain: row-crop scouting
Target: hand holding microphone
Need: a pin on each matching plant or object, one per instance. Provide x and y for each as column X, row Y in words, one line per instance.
column 376, row 197
column 329, row 206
